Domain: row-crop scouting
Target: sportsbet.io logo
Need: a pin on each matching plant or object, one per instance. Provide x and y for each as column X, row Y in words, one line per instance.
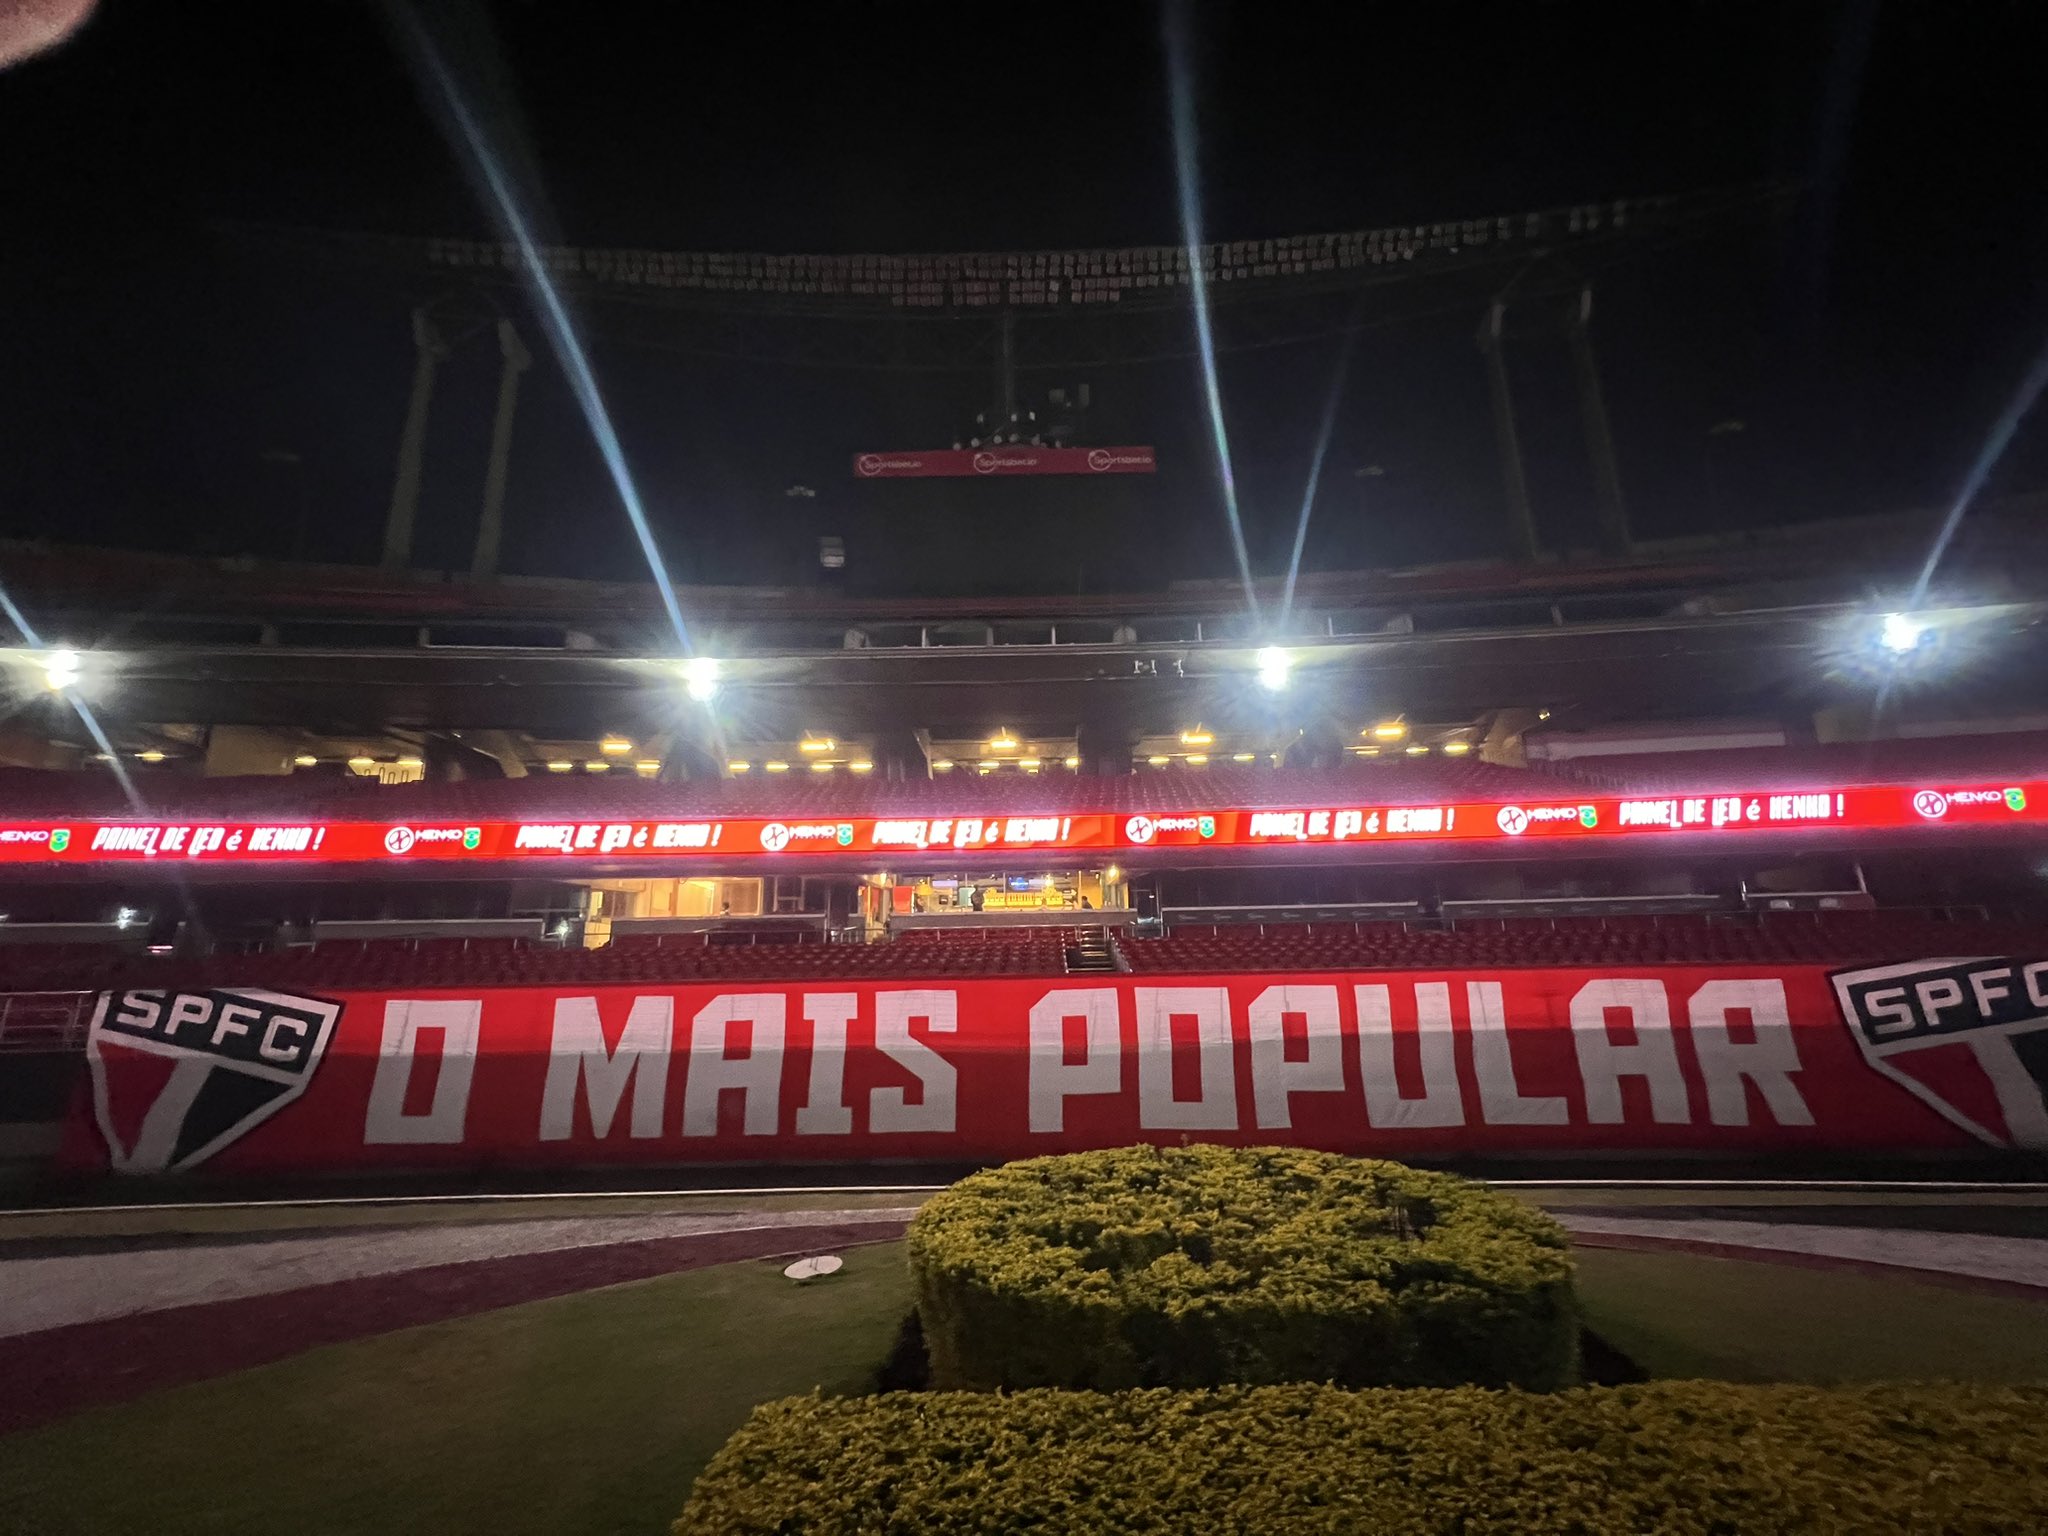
column 234, row 1059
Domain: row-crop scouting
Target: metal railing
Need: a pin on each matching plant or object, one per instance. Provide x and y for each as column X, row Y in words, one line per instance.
column 44, row 1021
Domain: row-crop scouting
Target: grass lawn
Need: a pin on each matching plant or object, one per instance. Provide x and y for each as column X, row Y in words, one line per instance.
column 591, row 1414
column 1736, row 1320
column 576, row 1416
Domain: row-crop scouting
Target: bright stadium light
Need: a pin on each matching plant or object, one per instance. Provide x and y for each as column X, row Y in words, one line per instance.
column 1244, row 757
column 1457, row 748
column 60, row 669
column 305, row 760
column 700, row 678
column 860, row 766
column 1073, row 762
column 942, row 765
column 1901, row 633
column 1389, row 730
column 774, row 766
column 1196, row 737
column 1197, row 759
column 1002, row 741
column 816, row 744
column 615, row 746
column 1274, row 665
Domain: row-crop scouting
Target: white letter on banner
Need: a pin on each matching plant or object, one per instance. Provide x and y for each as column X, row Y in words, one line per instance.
column 825, row 1111
column 1441, row 1103
column 1052, row 1077
column 1274, row 1077
column 386, row 1124
column 1769, row 1061
column 1603, row 1063
column 1493, row 1063
column 578, row 1054
column 757, row 1075
column 889, row 1109
column 1158, row 1109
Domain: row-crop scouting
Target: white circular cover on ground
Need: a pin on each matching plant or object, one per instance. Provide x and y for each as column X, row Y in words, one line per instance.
column 811, row 1269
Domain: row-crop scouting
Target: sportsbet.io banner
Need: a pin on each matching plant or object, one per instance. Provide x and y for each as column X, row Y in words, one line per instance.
column 1927, row 1055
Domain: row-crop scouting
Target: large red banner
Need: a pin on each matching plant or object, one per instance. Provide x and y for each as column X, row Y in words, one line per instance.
column 1597, row 818
column 1008, row 459
column 1925, row 1056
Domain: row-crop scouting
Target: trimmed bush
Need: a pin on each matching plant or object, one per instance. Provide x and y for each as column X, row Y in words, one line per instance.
column 1690, row 1457
column 1204, row 1266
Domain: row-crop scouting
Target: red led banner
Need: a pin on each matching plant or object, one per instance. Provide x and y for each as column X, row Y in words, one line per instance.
column 1598, row 818
column 1008, row 459
column 1707, row 1059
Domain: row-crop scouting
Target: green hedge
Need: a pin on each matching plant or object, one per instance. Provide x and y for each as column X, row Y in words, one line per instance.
column 1206, row 1266
column 1680, row 1457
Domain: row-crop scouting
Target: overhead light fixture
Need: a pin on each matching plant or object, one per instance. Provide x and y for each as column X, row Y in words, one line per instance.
column 1457, row 748
column 560, row 765
column 739, row 765
column 942, row 765
column 597, row 765
column 648, row 767
column 987, row 763
column 365, row 764
column 60, row 669
column 1367, row 751
column 1027, row 762
column 1157, row 762
column 615, row 746
column 1196, row 759
column 1073, row 762
column 1244, row 757
column 1112, row 873
column 1898, row 633
column 1542, row 714
column 823, row 767
column 303, row 760
column 1274, row 667
column 1389, row 730
column 861, row 767
column 816, row 744
column 1417, row 749
column 151, row 756
column 1196, row 737
column 700, row 678
column 775, row 767
column 411, row 762
column 1002, row 741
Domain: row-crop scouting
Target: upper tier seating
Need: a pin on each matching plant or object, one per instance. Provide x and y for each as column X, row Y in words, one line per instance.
column 1773, row 938
column 2006, row 755
column 380, row 964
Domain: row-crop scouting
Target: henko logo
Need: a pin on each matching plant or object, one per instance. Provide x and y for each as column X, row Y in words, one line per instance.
column 1968, row 1037
column 1139, row 829
column 399, row 840
column 775, row 837
column 1931, row 803
column 236, row 1057
column 1513, row 820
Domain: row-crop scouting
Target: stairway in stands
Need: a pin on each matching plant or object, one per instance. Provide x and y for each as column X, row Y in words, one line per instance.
column 1091, row 951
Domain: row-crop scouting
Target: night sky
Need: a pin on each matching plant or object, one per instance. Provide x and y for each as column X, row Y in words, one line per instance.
column 166, row 381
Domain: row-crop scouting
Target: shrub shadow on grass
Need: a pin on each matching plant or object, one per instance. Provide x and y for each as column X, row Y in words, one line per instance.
column 909, row 1368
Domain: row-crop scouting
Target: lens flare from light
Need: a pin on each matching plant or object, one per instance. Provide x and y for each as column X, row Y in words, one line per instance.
column 1181, row 88
column 554, row 314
